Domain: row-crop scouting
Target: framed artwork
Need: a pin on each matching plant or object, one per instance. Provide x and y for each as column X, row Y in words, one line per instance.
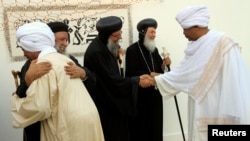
column 81, row 22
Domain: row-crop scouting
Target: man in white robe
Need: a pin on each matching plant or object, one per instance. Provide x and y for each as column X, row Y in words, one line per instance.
column 212, row 73
column 63, row 105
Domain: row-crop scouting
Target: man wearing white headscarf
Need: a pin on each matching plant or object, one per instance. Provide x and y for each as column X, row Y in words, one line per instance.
column 63, row 105
column 212, row 73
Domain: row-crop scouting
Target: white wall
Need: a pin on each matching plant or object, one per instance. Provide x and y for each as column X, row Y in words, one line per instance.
column 229, row 16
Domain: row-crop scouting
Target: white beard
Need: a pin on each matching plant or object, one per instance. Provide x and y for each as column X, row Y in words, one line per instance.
column 62, row 50
column 113, row 48
column 149, row 44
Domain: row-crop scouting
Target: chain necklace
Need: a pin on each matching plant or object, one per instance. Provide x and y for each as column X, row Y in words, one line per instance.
column 152, row 61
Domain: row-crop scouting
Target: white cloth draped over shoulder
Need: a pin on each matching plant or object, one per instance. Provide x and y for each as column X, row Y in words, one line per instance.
column 215, row 76
column 185, row 76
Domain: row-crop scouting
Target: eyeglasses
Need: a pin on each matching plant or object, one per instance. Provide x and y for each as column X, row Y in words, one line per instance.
column 118, row 36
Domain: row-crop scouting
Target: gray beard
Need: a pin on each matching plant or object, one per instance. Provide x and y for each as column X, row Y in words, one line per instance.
column 63, row 50
column 149, row 44
column 113, row 48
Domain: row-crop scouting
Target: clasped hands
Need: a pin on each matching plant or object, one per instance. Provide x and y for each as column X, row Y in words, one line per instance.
column 147, row 80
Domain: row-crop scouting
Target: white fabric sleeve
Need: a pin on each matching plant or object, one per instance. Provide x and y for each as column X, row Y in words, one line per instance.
column 35, row 106
column 235, row 87
column 165, row 89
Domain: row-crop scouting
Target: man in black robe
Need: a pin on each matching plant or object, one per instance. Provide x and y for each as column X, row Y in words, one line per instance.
column 115, row 95
column 142, row 57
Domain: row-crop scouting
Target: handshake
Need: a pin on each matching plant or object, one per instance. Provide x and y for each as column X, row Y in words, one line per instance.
column 147, row 80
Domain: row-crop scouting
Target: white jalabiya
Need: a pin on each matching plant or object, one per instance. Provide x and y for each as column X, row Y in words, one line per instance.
column 63, row 105
column 215, row 77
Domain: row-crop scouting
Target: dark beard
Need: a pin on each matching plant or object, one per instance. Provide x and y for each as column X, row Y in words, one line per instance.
column 113, row 48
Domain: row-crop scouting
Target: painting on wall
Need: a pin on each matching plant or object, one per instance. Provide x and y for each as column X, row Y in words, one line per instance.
column 81, row 22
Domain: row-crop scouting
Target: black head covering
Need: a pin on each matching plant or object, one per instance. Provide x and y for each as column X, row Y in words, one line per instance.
column 143, row 25
column 106, row 26
column 58, row 26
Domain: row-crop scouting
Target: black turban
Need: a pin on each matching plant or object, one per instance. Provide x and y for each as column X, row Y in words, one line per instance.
column 143, row 25
column 106, row 26
column 58, row 26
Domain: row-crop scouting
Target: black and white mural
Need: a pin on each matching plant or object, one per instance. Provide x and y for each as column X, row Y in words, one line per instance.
column 82, row 25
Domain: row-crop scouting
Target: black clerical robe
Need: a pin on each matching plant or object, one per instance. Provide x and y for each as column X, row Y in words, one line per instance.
column 115, row 95
column 90, row 81
column 147, row 125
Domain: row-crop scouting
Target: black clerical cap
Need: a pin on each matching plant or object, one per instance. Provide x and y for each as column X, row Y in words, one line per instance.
column 145, row 23
column 109, row 25
column 58, row 26
column 106, row 26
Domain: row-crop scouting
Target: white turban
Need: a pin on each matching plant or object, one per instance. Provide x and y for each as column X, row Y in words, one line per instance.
column 193, row 16
column 35, row 36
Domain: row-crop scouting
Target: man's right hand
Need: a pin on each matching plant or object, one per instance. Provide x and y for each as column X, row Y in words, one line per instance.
column 145, row 81
column 36, row 70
